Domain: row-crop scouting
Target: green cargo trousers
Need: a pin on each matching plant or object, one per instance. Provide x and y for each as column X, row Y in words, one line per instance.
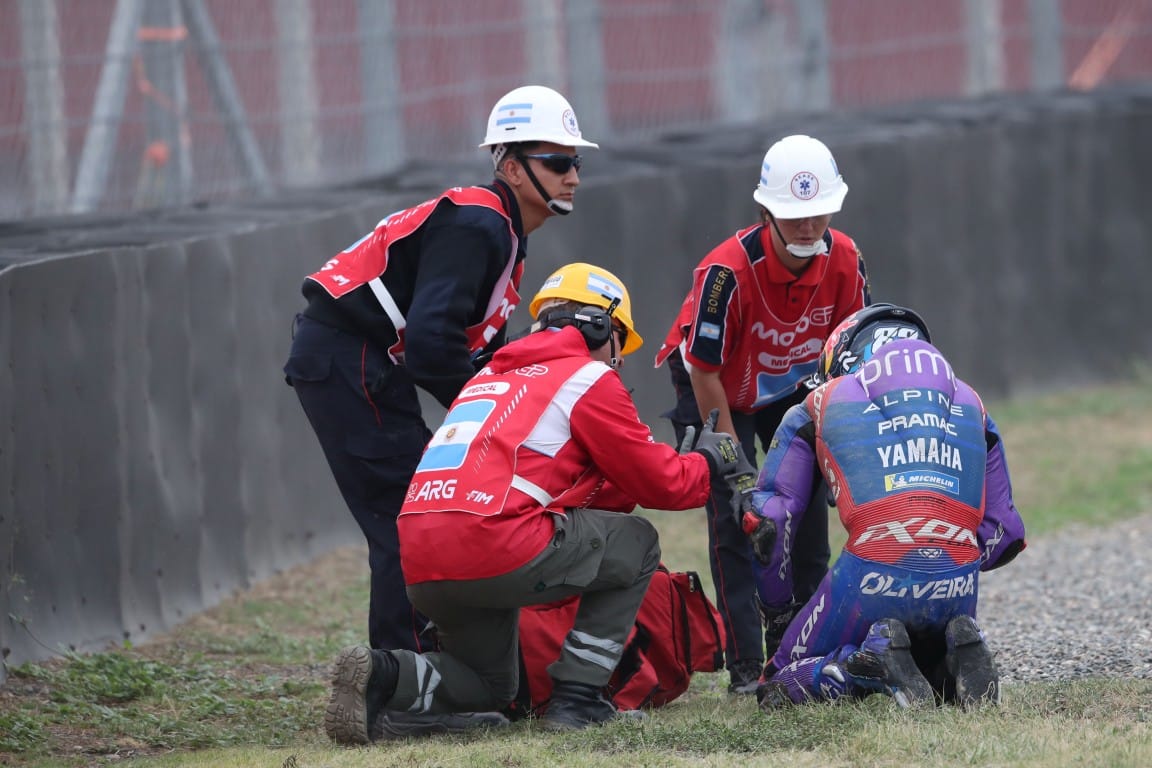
column 606, row 557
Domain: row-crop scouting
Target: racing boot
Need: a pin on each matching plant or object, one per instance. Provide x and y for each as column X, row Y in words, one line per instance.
column 362, row 682
column 776, row 621
column 970, row 664
column 575, row 706
column 884, row 663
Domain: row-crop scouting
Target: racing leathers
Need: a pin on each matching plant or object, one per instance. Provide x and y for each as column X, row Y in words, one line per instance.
column 918, row 473
column 412, row 303
column 493, row 520
column 762, row 328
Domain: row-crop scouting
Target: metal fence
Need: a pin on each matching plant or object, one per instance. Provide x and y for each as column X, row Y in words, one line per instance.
column 114, row 105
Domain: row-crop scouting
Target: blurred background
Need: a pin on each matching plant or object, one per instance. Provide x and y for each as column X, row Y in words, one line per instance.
column 119, row 105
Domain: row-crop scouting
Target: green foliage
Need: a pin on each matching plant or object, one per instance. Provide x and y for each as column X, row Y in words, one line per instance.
column 20, row 732
column 107, row 678
column 190, row 703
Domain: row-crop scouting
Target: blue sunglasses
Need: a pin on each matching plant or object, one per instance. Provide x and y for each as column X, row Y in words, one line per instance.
column 557, row 162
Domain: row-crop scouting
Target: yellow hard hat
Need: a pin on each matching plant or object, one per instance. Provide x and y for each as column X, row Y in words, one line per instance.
column 590, row 286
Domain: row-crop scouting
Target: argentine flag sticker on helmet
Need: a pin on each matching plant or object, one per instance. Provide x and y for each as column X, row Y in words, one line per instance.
column 534, row 113
column 603, row 286
column 514, row 114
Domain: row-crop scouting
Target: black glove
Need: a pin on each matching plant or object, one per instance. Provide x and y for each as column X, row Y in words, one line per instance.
column 732, row 473
column 719, row 448
column 762, row 532
column 741, row 486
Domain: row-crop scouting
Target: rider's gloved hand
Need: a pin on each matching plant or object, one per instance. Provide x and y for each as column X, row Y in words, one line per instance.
column 762, row 533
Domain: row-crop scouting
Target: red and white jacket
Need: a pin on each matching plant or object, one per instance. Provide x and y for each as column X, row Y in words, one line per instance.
column 735, row 319
column 542, row 430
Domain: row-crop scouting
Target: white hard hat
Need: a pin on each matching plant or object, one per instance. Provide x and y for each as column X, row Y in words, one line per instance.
column 799, row 179
column 534, row 113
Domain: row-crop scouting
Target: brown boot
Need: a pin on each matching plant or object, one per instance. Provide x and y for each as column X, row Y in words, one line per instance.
column 362, row 681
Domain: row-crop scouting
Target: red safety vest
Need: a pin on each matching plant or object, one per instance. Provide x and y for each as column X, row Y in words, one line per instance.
column 470, row 463
column 365, row 261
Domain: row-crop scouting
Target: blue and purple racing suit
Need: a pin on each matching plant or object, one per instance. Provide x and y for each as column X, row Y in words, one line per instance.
column 917, row 470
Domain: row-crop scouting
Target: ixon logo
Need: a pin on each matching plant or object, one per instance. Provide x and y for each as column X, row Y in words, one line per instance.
column 917, row 530
column 800, row 648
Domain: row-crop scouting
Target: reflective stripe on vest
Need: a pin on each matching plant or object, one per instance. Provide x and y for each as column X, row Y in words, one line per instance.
column 531, row 489
column 388, row 304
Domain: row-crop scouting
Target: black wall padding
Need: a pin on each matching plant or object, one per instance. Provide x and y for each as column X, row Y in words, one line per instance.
column 152, row 460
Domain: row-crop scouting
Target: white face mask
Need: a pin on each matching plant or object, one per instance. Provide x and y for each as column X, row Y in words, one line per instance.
column 818, row 248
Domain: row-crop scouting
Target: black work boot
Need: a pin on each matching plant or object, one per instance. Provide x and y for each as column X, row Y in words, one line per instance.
column 575, row 706
column 402, row 725
column 362, row 681
column 744, row 676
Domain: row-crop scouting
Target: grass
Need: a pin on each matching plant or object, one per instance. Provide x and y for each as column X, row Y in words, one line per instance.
column 1081, row 456
column 125, row 699
column 245, row 683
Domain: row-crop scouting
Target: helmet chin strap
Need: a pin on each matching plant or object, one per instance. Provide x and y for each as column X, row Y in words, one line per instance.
column 561, row 207
column 613, row 360
column 818, row 248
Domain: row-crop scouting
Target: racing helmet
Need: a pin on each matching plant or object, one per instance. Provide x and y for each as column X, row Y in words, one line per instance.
column 859, row 335
column 799, row 178
column 589, row 286
column 534, row 113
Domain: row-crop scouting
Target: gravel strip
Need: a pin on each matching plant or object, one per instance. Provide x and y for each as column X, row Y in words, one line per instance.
column 1073, row 605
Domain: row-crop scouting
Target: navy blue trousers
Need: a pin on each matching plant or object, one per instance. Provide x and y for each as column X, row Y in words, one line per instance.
column 366, row 414
column 729, row 549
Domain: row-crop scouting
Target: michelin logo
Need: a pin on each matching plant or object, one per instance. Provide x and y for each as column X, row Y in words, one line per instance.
column 903, row 481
